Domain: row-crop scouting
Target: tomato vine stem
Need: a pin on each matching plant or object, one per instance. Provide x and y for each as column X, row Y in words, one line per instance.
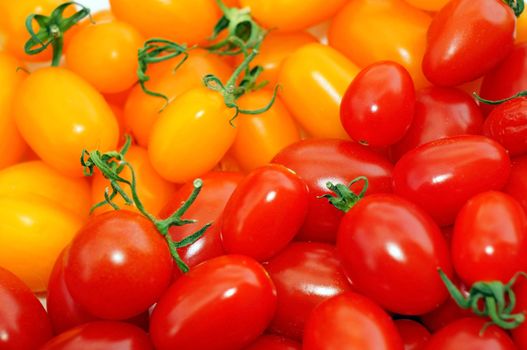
column 516, row 5
column 497, row 102
column 344, row 198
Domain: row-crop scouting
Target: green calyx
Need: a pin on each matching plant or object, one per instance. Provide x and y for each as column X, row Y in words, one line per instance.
column 516, row 5
column 497, row 102
column 51, row 30
column 490, row 299
column 344, row 198
column 111, row 164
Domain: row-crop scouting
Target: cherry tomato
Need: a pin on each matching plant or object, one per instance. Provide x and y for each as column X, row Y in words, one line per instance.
column 517, row 185
column 442, row 175
column 320, row 161
column 329, row 326
column 24, row 323
column 274, row 342
column 521, row 28
column 314, row 79
column 519, row 334
column 428, row 5
column 305, row 274
column 399, row 31
column 414, row 335
column 467, row 39
column 76, row 117
column 378, row 106
column 223, row 304
column 118, row 265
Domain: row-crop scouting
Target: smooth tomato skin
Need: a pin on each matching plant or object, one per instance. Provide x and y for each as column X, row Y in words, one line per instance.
column 519, row 334
column 382, row 241
column 414, row 335
column 466, row 39
column 446, row 313
column 230, row 299
column 305, row 274
column 465, row 334
column 265, row 212
column 517, row 184
column 440, row 113
column 378, row 106
column 328, row 327
column 323, row 160
column 118, row 265
column 442, row 175
column 428, row 5
column 274, row 342
column 24, row 323
column 101, row 335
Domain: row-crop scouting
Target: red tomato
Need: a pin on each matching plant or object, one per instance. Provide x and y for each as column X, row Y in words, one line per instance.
column 414, row 335
column 350, row 321
column 442, row 175
column 467, row 39
column 101, row 336
column 378, row 106
column 265, row 212
column 118, row 265
column 23, row 321
column 382, row 241
column 440, row 113
column 274, row 342
column 305, row 274
column 517, row 185
column 519, row 334
column 320, row 161
column 223, row 304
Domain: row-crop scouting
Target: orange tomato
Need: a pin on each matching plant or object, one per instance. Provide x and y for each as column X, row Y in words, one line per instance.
column 367, row 31
column 59, row 114
column 428, row 5
column 521, row 28
column 314, row 79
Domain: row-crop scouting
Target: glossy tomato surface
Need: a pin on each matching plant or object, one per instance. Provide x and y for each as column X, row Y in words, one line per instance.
column 517, row 184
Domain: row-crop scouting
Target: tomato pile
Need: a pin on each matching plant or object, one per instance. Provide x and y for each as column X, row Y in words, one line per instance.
column 263, row 175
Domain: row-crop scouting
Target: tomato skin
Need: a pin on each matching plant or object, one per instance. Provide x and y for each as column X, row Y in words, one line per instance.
column 230, row 299
column 442, row 175
column 273, row 342
column 269, row 207
column 24, row 323
column 517, row 185
column 428, row 5
column 460, row 50
column 378, row 106
column 305, row 274
column 414, row 335
column 118, row 265
column 519, row 334
column 328, row 327
column 446, row 313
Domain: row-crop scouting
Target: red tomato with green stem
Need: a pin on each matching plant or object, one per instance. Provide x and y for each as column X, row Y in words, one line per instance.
column 517, row 185
column 274, row 342
column 414, row 335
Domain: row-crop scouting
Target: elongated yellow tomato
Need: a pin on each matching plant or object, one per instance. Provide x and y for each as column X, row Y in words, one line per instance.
column 367, row 31
column 314, row 79
column 59, row 114
column 38, row 178
column 33, row 232
column 291, row 15
column 428, row 5
column 191, row 136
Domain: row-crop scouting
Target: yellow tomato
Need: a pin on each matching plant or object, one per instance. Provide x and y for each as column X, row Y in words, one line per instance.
column 260, row 137
column 152, row 189
column 142, row 110
column 38, row 178
column 428, row 5
column 59, row 114
column 33, row 232
column 191, row 135
column 373, row 30
column 12, row 146
column 291, row 15
column 314, row 79
column 105, row 55
column 521, row 28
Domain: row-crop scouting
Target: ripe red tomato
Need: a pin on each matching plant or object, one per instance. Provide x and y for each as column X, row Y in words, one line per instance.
column 442, row 175
column 318, row 161
column 467, row 39
column 274, row 342
column 519, row 334
column 350, row 321
column 517, row 185
column 414, row 335
column 378, row 105
column 222, row 304
column 264, row 213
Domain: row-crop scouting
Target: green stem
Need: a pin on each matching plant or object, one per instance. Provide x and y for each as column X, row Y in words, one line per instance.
column 497, row 102
column 516, row 5
column 344, row 198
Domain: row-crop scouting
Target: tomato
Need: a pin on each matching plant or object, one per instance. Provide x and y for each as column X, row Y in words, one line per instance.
column 101, row 336
column 37, row 178
column 519, row 334
column 273, row 342
column 105, row 55
column 314, row 79
column 320, row 161
column 183, row 21
column 467, row 334
column 517, row 185
column 76, row 118
column 467, row 39
column 378, row 106
column 442, row 175
column 23, row 321
column 223, row 304
column 328, row 327
column 428, row 5
column 399, row 31
column 305, row 274
column 440, row 113
column 292, row 15
column 414, row 335
column 521, row 28
column 118, row 265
